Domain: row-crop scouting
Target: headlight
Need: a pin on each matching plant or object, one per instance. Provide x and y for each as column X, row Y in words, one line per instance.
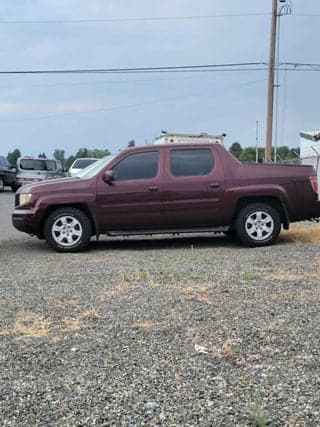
column 24, row 198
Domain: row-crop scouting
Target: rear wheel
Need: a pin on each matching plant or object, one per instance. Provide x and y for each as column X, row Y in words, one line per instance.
column 67, row 230
column 258, row 224
column 1, row 184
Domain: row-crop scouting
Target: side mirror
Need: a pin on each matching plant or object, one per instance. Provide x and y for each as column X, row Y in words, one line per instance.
column 109, row 177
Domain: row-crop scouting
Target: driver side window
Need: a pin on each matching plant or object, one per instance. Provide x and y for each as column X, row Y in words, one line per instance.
column 137, row 166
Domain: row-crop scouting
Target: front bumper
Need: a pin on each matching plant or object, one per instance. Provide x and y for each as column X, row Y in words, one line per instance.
column 26, row 221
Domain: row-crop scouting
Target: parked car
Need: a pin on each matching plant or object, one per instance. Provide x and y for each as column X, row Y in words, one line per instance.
column 80, row 164
column 168, row 189
column 31, row 169
column 7, row 174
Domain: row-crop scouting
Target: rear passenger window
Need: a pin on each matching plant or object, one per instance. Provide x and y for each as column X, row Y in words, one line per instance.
column 191, row 162
column 137, row 166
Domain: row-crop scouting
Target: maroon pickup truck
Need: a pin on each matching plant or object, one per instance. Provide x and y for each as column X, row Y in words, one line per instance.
column 168, row 189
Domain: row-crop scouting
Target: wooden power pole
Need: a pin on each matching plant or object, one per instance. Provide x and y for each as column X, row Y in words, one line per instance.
column 270, row 101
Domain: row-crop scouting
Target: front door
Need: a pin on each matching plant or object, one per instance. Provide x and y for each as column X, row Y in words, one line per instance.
column 134, row 199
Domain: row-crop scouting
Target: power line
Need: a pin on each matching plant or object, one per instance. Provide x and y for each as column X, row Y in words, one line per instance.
column 137, row 19
column 181, row 68
column 241, row 66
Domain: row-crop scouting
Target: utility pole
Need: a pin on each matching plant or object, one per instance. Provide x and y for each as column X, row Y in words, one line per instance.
column 270, row 101
column 284, row 10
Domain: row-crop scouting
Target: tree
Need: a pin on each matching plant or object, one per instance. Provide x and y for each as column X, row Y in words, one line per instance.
column 131, row 143
column 236, row 149
column 248, row 154
column 42, row 156
column 60, row 155
column 13, row 156
column 69, row 161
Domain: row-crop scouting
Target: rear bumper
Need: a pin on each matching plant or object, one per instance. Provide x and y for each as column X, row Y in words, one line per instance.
column 311, row 210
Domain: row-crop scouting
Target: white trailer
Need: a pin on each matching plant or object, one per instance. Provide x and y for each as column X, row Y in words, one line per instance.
column 310, row 150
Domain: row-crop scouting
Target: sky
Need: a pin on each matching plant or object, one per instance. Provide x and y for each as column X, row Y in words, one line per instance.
column 39, row 113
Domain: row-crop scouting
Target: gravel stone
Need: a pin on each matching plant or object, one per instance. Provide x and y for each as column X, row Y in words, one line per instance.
column 108, row 337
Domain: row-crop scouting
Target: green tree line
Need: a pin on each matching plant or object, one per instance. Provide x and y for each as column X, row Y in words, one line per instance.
column 248, row 154
column 59, row 154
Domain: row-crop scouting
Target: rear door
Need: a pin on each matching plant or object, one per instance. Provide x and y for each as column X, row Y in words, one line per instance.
column 193, row 187
column 134, row 200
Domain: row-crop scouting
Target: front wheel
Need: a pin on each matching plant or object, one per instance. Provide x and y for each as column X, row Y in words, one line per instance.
column 1, row 184
column 258, row 224
column 67, row 230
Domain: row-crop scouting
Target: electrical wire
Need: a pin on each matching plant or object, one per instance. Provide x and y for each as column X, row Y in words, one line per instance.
column 241, row 66
column 180, row 68
column 137, row 19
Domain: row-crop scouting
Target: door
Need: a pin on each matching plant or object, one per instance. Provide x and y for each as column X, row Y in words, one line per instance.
column 192, row 188
column 134, row 199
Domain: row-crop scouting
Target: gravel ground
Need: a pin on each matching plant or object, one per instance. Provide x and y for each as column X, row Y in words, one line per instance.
column 139, row 332
column 7, row 231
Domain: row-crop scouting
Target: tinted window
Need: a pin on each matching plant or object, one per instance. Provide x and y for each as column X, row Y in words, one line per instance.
column 37, row 164
column 137, row 166
column 83, row 163
column 191, row 162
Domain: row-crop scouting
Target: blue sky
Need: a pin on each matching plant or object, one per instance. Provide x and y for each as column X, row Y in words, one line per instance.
column 44, row 112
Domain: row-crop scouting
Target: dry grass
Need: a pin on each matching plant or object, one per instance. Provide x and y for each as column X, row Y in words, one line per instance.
column 302, row 233
column 5, row 332
column 55, row 340
column 71, row 325
column 144, row 324
column 290, row 276
column 197, row 294
column 227, row 350
column 64, row 303
column 90, row 315
column 31, row 324
column 115, row 290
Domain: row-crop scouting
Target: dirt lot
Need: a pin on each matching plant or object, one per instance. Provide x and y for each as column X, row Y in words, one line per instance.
column 185, row 332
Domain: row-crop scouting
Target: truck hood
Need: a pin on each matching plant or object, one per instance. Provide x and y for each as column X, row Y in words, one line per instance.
column 63, row 185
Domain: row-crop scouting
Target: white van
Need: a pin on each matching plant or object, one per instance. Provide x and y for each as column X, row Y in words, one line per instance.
column 35, row 169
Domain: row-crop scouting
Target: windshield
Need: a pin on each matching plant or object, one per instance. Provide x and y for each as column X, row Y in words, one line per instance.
column 95, row 168
column 38, row 164
column 82, row 163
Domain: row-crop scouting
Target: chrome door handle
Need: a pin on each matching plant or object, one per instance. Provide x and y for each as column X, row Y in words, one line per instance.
column 214, row 185
column 153, row 188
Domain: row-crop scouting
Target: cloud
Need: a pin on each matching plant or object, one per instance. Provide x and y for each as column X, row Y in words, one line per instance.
column 17, row 108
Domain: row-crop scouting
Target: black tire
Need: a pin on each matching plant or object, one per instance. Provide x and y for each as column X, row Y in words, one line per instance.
column 14, row 187
column 258, row 224
column 1, row 184
column 230, row 233
column 67, row 230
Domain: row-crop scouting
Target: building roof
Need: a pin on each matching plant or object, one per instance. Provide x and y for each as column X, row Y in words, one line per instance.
column 165, row 134
column 311, row 136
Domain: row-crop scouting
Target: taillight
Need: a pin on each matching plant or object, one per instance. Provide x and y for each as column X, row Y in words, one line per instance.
column 314, row 183
column 29, row 179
